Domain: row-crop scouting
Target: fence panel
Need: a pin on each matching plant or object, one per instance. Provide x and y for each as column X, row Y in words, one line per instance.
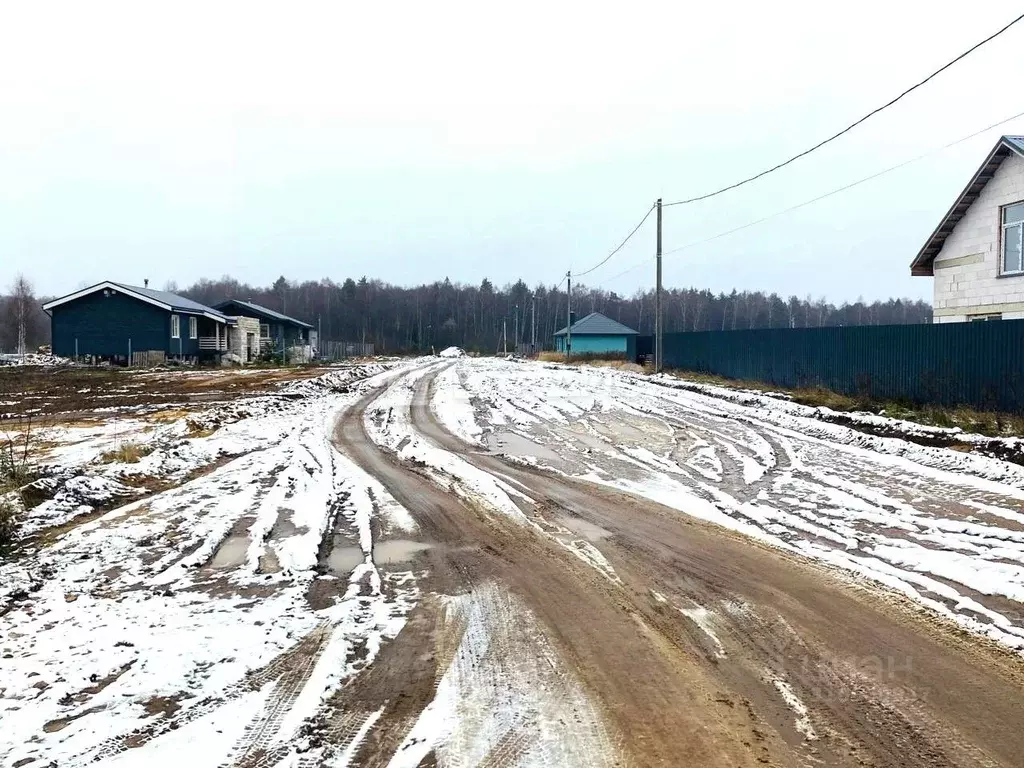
column 338, row 350
column 975, row 364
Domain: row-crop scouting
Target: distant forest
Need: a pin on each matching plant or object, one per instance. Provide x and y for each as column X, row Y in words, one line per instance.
column 441, row 314
column 397, row 319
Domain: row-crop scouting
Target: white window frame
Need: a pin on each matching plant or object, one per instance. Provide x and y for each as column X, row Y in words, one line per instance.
column 985, row 317
column 175, row 327
column 193, row 327
column 1019, row 226
column 262, row 334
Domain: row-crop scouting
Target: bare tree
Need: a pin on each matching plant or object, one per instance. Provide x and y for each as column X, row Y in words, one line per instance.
column 22, row 302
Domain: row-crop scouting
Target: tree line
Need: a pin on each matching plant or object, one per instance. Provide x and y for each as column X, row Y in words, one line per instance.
column 409, row 319
column 475, row 317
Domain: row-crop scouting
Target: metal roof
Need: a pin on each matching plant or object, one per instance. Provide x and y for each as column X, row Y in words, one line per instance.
column 1007, row 145
column 263, row 311
column 596, row 324
column 173, row 300
column 170, row 302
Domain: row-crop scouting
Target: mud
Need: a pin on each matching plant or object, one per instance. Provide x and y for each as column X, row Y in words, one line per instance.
column 712, row 649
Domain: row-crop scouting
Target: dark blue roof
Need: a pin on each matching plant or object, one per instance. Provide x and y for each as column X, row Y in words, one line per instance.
column 263, row 312
column 596, row 324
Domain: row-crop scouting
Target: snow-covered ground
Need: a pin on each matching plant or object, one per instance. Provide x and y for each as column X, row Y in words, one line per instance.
column 214, row 602
column 944, row 527
column 211, row 601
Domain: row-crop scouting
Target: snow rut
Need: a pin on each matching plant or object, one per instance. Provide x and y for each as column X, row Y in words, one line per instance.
column 507, row 699
column 293, row 670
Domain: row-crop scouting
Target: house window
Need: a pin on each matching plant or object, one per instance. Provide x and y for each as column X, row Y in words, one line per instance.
column 983, row 318
column 175, row 327
column 264, row 331
column 193, row 328
column 1013, row 245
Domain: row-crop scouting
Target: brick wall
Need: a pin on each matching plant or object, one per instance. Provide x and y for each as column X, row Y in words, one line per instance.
column 967, row 278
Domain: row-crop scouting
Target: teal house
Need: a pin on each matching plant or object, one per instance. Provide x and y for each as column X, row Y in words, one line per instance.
column 596, row 334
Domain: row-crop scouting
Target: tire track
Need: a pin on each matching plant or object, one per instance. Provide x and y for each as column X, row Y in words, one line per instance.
column 941, row 701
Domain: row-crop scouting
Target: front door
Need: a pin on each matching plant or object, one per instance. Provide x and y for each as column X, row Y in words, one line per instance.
column 250, row 341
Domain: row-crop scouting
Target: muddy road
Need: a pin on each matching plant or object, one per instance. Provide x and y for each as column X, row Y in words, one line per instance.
column 573, row 624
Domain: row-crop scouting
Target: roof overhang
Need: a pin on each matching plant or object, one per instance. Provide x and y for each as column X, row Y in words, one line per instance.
column 922, row 265
column 262, row 313
column 107, row 285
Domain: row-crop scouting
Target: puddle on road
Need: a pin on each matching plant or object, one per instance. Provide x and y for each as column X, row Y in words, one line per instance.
column 232, row 553
column 397, row 550
column 584, row 528
column 343, row 560
column 516, row 445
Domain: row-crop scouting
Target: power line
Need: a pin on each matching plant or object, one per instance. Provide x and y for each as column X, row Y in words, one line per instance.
column 823, row 196
column 854, row 124
column 619, row 247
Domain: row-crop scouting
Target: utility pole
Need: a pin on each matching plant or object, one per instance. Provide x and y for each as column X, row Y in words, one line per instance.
column 504, row 338
column 533, row 324
column 515, row 344
column 568, row 315
column 658, row 321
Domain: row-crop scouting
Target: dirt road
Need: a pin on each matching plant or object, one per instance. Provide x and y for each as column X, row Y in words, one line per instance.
column 495, row 563
column 619, row 631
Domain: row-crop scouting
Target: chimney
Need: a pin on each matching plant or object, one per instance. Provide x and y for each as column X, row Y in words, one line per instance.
column 572, row 318
column 145, row 282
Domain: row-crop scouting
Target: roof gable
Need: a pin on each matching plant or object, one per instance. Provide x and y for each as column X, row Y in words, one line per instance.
column 596, row 324
column 1007, row 145
column 171, row 302
column 262, row 312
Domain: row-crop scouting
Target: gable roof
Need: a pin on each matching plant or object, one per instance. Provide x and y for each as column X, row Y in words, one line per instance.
column 170, row 302
column 1006, row 146
column 263, row 312
column 596, row 324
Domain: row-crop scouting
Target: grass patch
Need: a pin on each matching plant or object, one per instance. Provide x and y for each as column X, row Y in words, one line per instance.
column 195, row 429
column 601, row 359
column 126, row 453
column 166, row 417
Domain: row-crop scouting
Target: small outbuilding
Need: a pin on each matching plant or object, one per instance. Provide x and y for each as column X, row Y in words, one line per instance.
column 596, row 334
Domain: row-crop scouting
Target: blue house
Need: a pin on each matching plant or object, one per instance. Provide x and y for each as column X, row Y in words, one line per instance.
column 596, row 334
column 116, row 322
column 277, row 332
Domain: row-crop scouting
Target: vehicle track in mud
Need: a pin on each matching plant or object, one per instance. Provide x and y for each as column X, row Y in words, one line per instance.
column 643, row 684
column 883, row 683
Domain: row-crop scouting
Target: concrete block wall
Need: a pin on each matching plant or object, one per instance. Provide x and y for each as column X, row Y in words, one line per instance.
column 237, row 333
column 967, row 280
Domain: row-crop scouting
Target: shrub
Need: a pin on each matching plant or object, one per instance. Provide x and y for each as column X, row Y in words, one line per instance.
column 8, row 526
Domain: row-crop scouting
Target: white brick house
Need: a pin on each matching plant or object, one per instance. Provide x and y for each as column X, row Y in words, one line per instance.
column 976, row 254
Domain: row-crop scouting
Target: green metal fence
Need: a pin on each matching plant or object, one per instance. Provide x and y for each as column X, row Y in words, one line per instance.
column 975, row 364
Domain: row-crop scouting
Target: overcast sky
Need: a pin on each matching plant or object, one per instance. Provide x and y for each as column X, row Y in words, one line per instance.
column 414, row 141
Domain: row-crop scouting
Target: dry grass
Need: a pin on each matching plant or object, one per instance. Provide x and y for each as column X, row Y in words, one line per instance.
column 8, row 527
column 619, row 365
column 989, row 423
column 195, row 429
column 166, row 417
column 616, row 361
column 126, row 453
